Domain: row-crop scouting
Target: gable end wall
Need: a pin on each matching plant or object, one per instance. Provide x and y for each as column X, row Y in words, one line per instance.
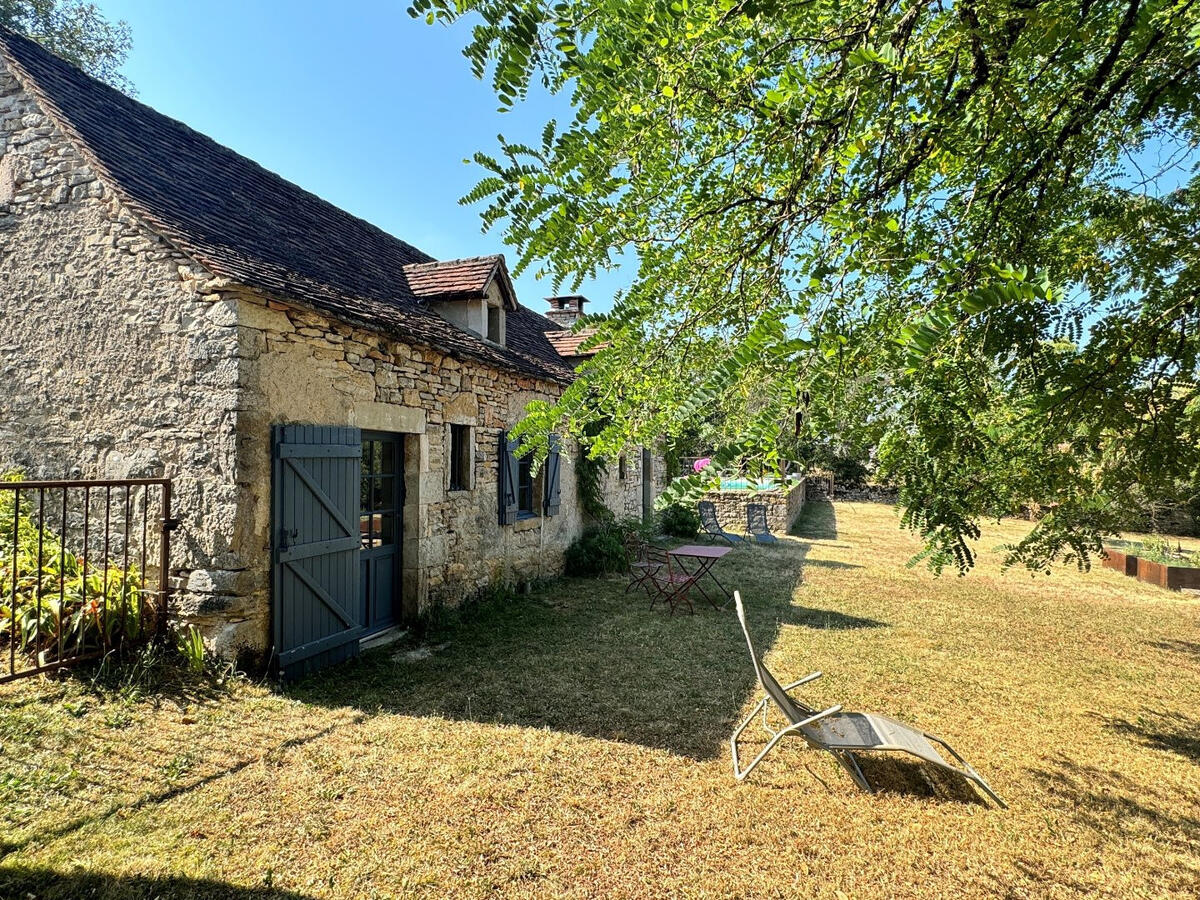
column 114, row 360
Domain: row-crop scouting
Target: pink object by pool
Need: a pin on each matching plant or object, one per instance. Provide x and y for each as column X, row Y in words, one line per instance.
column 701, row 463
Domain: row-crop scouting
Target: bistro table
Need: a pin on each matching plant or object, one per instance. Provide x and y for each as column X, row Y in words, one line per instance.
column 705, row 558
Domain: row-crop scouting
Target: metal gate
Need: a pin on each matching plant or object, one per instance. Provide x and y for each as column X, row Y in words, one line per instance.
column 84, row 569
column 315, row 546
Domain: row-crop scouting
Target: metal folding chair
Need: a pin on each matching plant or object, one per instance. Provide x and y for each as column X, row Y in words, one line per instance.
column 845, row 735
column 641, row 569
column 710, row 524
column 756, row 524
column 671, row 582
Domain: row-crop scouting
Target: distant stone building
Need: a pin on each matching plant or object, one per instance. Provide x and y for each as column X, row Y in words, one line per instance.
column 332, row 403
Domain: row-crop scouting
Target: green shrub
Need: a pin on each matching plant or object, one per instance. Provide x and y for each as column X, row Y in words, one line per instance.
column 1158, row 549
column 680, row 521
column 597, row 551
column 75, row 614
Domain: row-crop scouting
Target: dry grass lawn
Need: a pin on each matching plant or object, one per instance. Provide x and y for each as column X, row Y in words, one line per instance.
column 574, row 744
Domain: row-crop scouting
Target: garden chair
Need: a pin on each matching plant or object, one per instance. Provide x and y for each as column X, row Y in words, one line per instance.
column 712, row 525
column 669, row 580
column 842, row 734
column 641, row 569
column 756, row 524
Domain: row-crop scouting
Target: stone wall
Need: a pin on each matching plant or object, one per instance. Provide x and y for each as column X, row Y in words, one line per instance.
column 782, row 508
column 624, row 495
column 306, row 368
column 112, row 363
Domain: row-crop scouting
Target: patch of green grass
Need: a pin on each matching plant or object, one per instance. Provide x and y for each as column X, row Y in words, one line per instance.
column 574, row 743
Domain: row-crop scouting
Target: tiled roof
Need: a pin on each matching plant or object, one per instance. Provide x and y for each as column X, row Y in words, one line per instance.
column 245, row 223
column 566, row 343
column 531, row 333
column 459, row 279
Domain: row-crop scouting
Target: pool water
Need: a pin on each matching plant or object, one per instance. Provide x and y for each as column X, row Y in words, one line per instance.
column 743, row 484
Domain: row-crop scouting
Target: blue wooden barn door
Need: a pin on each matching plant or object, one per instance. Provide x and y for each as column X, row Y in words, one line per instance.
column 315, row 546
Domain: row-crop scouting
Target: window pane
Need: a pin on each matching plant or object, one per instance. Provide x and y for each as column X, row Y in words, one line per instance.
column 525, row 484
column 387, row 529
column 383, row 495
column 364, row 494
column 460, row 450
column 388, row 450
column 366, row 458
column 364, row 530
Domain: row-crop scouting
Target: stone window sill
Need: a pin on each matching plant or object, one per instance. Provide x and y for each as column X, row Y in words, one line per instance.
column 527, row 522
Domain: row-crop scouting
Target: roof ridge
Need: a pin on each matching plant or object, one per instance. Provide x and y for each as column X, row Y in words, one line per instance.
column 435, row 263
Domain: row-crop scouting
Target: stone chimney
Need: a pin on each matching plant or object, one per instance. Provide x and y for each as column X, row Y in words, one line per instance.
column 566, row 310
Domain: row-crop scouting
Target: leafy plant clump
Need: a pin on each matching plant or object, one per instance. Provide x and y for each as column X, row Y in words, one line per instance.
column 598, row 551
column 50, row 603
column 1158, row 549
column 680, row 521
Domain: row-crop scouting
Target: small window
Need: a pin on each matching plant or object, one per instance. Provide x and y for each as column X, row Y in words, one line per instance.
column 525, row 491
column 460, row 457
column 621, row 467
column 495, row 325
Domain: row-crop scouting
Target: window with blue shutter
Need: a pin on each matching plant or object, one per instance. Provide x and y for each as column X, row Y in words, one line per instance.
column 508, row 479
column 551, row 494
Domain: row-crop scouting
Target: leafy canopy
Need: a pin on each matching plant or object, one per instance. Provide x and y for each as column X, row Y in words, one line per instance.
column 964, row 233
column 74, row 30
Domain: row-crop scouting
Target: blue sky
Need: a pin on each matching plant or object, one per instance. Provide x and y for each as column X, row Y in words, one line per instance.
column 355, row 101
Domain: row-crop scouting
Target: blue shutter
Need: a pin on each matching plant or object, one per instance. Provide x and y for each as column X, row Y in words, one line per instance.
column 315, row 546
column 507, row 462
column 551, row 495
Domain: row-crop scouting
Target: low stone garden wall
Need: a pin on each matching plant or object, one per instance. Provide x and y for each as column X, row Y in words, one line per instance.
column 783, row 507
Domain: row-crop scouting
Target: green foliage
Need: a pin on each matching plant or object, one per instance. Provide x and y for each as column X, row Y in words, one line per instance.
column 75, row 30
column 190, row 644
column 679, row 521
column 589, row 475
column 1159, row 549
column 57, row 605
column 963, row 233
column 598, row 551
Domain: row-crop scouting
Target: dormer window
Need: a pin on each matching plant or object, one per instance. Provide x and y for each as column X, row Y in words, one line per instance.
column 475, row 294
column 495, row 324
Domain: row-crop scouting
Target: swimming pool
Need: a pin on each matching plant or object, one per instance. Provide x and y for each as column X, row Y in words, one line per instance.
column 744, row 484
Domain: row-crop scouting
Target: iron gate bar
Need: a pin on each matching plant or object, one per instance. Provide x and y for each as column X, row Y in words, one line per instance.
column 12, row 619
column 53, row 656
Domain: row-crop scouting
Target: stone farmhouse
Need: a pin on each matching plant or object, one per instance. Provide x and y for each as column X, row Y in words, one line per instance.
column 332, row 403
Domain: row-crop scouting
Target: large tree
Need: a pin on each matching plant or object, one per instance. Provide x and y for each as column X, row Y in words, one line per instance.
column 967, row 233
column 74, row 30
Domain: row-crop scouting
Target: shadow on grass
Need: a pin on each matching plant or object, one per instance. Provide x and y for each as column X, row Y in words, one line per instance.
column 1188, row 648
column 818, row 520
column 1170, row 731
column 828, row 619
column 831, row 564
column 149, row 794
column 895, row 774
column 580, row 656
column 48, row 884
column 1112, row 802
